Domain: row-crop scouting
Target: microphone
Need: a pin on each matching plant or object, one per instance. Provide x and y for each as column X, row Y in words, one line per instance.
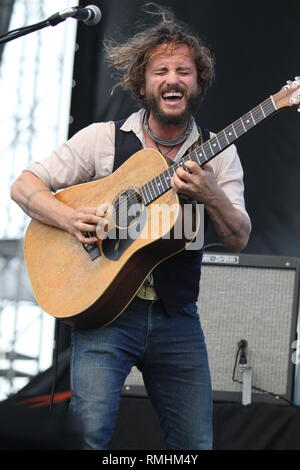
column 90, row 15
column 242, row 345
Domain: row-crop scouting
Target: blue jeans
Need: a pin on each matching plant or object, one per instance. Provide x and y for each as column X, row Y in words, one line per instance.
column 170, row 352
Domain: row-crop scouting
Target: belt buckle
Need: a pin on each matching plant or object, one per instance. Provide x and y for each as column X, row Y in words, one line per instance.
column 147, row 293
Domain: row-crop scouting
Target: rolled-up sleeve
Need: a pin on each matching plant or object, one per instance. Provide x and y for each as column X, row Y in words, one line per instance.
column 229, row 175
column 88, row 155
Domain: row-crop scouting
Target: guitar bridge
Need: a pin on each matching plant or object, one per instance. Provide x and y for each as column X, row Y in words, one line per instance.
column 92, row 250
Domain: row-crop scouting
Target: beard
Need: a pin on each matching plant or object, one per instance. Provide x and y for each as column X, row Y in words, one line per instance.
column 151, row 104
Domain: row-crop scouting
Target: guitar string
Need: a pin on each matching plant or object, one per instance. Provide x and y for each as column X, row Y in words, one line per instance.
column 123, row 205
column 194, row 153
column 258, row 109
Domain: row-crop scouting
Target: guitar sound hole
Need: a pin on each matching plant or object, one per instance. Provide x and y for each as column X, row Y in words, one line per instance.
column 130, row 217
column 127, row 208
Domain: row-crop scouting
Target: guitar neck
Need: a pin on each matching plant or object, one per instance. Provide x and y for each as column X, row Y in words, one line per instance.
column 209, row 149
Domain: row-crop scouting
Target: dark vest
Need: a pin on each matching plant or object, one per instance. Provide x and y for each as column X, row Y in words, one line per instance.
column 177, row 278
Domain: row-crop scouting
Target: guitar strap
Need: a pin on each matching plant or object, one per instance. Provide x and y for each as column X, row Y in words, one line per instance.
column 204, row 135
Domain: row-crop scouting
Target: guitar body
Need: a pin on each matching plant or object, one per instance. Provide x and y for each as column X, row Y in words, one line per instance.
column 85, row 292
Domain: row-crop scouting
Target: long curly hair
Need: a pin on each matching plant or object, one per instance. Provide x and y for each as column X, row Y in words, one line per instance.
column 130, row 59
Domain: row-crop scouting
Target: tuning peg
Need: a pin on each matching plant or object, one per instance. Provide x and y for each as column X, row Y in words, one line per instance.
column 297, row 78
column 292, row 101
column 298, row 109
column 288, row 85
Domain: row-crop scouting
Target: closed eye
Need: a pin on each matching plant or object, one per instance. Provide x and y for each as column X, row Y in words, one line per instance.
column 160, row 71
column 183, row 71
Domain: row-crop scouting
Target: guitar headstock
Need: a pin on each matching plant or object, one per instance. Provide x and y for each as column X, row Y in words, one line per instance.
column 289, row 95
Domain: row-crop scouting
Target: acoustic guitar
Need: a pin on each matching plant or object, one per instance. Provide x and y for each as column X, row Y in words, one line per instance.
column 90, row 285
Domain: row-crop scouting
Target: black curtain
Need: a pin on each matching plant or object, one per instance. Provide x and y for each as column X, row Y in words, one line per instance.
column 6, row 7
column 256, row 45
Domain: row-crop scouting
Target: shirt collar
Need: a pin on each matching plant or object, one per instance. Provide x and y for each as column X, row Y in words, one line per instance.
column 134, row 123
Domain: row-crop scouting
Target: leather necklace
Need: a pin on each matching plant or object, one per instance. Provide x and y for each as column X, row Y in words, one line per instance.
column 166, row 142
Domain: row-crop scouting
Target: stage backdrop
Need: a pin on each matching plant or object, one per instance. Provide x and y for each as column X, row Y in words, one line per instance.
column 256, row 46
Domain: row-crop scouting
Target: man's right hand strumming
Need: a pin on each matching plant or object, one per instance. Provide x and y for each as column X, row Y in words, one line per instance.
column 37, row 201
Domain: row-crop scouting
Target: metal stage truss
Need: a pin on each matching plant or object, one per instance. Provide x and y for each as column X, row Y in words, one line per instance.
column 35, row 91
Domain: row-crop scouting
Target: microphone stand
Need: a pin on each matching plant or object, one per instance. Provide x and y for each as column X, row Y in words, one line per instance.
column 17, row 33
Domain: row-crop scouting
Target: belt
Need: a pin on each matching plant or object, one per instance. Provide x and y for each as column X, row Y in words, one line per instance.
column 147, row 292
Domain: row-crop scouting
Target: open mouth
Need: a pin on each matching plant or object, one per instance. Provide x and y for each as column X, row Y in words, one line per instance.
column 172, row 97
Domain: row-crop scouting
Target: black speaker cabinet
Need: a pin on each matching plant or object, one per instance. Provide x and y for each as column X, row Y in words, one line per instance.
column 253, row 298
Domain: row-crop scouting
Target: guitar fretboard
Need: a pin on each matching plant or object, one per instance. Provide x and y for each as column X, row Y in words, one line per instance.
column 209, row 149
